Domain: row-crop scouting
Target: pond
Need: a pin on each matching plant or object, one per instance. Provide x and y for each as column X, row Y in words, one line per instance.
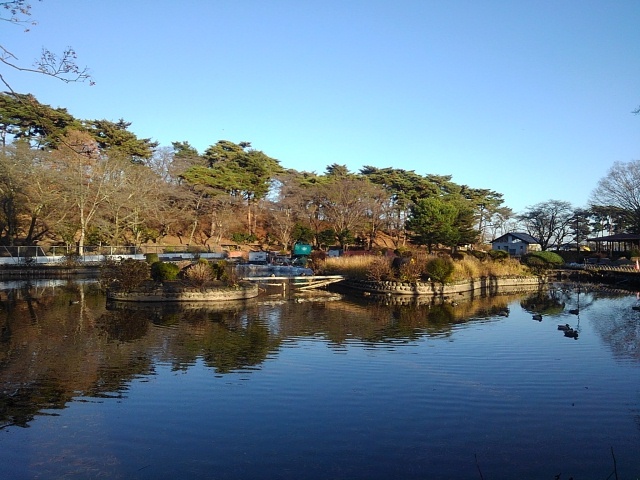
column 319, row 386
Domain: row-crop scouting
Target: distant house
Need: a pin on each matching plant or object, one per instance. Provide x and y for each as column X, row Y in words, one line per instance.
column 516, row 243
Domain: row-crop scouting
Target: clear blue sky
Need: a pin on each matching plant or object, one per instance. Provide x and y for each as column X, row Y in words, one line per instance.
column 531, row 99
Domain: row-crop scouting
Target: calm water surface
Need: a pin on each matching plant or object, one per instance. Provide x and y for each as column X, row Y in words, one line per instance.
column 318, row 387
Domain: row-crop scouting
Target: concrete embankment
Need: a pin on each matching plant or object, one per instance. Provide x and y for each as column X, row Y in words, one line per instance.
column 170, row 292
column 479, row 286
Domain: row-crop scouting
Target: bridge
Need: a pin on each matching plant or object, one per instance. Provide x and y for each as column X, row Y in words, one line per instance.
column 305, row 282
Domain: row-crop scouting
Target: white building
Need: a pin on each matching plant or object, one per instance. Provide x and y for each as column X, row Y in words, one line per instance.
column 516, row 243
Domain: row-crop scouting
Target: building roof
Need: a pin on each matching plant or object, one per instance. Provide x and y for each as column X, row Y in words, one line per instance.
column 618, row 237
column 525, row 237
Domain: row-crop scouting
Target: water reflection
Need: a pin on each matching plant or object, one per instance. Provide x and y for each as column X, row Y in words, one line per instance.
column 62, row 341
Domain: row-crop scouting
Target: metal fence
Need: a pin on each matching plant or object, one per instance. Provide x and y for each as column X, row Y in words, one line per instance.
column 29, row 255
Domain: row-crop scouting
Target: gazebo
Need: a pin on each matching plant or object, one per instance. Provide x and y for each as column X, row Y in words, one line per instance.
column 620, row 242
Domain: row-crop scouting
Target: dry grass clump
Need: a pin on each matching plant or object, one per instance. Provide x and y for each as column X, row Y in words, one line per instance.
column 199, row 274
column 356, row 267
column 377, row 268
column 508, row 266
column 470, row 267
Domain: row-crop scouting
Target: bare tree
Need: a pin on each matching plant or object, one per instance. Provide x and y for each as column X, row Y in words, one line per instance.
column 377, row 203
column 344, row 205
column 620, row 189
column 549, row 222
column 88, row 179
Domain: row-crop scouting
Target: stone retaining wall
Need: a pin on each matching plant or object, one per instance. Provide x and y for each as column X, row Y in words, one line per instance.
column 187, row 294
column 480, row 286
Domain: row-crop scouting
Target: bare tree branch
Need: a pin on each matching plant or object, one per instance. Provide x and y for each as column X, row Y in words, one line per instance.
column 63, row 66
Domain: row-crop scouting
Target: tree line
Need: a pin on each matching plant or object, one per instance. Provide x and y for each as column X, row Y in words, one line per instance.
column 70, row 181
column 81, row 182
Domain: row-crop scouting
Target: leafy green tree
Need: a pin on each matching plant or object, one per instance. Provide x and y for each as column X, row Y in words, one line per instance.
column 301, row 234
column 608, row 220
column 224, row 151
column 466, row 224
column 236, row 169
column 335, row 170
column 184, row 156
column 441, row 221
column 326, row 238
column 580, row 226
column 184, row 150
column 117, row 139
column 405, row 188
column 431, row 222
column 486, row 204
column 23, row 117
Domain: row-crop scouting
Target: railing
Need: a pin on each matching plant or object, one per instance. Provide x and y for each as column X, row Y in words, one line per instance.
column 630, row 268
column 613, row 268
column 30, row 255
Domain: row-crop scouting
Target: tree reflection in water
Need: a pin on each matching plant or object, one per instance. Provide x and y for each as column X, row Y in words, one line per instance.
column 59, row 343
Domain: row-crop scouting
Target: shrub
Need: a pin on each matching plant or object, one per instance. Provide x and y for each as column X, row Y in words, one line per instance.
column 380, row 270
column 550, row 258
column 151, row 258
column 411, row 271
column 498, row 254
column 225, row 272
column 541, row 261
column 162, row 272
column 479, row 254
column 243, row 238
column 218, row 270
column 316, row 259
column 124, row 275
column 70, row 259
column 440, row 269
column 402, row 251
column 200, row 273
